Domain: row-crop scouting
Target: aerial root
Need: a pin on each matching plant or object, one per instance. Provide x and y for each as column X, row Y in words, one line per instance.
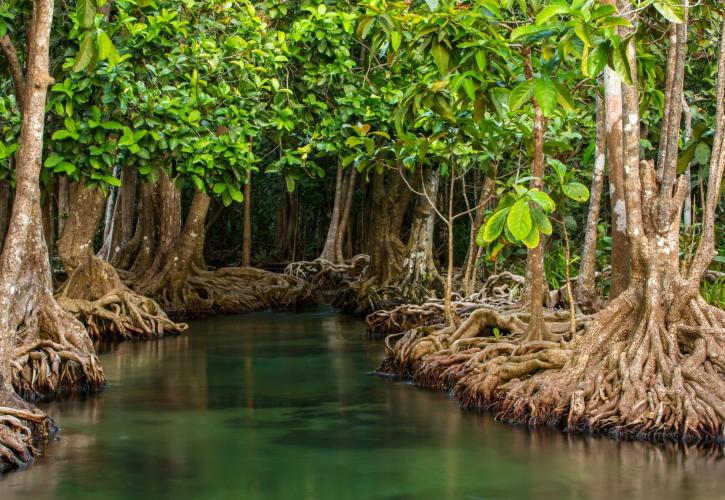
column 634, row 372
column 233, row 290
column 24, row 432
column 47, row 368
column 327, row 275
column 122, row 313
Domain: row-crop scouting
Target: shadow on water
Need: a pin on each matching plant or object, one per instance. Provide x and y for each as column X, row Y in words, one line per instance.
column 281, row 405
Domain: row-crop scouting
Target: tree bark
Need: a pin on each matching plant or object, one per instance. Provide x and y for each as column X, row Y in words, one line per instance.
column 419, row 275
column 585, row 287
column 94, row 292
column 615, row 160
column 30, row 319
column 330, row 246
column 345, row 215
column 247, row 233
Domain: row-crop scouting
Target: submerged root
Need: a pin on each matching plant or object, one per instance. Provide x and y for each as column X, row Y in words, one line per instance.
column 95, row 295
column 24, row 432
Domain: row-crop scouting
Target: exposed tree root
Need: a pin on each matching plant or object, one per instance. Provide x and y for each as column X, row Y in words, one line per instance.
column 327, row 275
column 499, row 292
column 24, row 431
column 232, row 290
column 45, row 369
column 95, row 294
column 630, row 373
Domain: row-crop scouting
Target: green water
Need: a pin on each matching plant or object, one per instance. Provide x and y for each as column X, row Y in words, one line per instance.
column 281, row 406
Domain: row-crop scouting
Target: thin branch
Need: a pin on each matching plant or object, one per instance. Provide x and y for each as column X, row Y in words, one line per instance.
column 16, row 70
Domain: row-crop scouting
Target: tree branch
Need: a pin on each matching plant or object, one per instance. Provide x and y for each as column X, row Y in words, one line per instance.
column 7, row 47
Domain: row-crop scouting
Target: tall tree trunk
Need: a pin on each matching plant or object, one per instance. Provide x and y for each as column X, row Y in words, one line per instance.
column 31, row 322
column 585, row 288
column 94, row 292
column 345, row 215
column 615, row 159
column 386, row 250
column 537, row 288
column 419, row 275
column 247, row 232
column 329, row 249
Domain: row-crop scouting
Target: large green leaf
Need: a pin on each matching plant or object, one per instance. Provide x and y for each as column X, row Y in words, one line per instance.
column 672, row 11
column 597, row 59
column 86, row 13
column 521, row 94
column 543, row 200
column 532, row 239
column 493, row 227
column 546, row 94
column 620, row 63
column 541, row 221
column 440, row 56
column 86, row 53
column 550, row 11
column 576, row 191
column 519, row 219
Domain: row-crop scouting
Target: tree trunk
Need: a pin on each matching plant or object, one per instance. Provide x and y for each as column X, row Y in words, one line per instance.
column 345, row 216
column 247, row 233
column 537, row 288
column 4, row 206
column 419, row 276
column 94, row 292
column 31, row 322
column 329, row 249
column 615, row 159
column 585, row 288
column 384, row 246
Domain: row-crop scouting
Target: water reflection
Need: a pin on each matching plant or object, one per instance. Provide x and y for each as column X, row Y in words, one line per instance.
column 271, row 406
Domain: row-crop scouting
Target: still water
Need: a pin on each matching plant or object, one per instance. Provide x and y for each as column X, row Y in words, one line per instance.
column 282, row 406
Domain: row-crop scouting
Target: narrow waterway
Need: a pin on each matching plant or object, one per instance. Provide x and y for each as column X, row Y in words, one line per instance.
column 282, row 406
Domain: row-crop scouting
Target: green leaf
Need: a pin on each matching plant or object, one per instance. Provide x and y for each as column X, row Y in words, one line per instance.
column 521, row 94
column 86, row 53
column 105, row 45
column 564, row 96
column 558, row 167
column 532, row 239
column 527, row 30
column 519, row 219
column 550, row 11
column 219, row 188
column 597, row 59
column 395, row 39
column 673, row 13
column 86, row 13
column 543, row 200
column 620, row 64
column 576, row 191
column 541, row 221
column 441, row 57
column 198, row 183
column 546, row 94
column 582, row 31
column 235, row 193
column 493, row 227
